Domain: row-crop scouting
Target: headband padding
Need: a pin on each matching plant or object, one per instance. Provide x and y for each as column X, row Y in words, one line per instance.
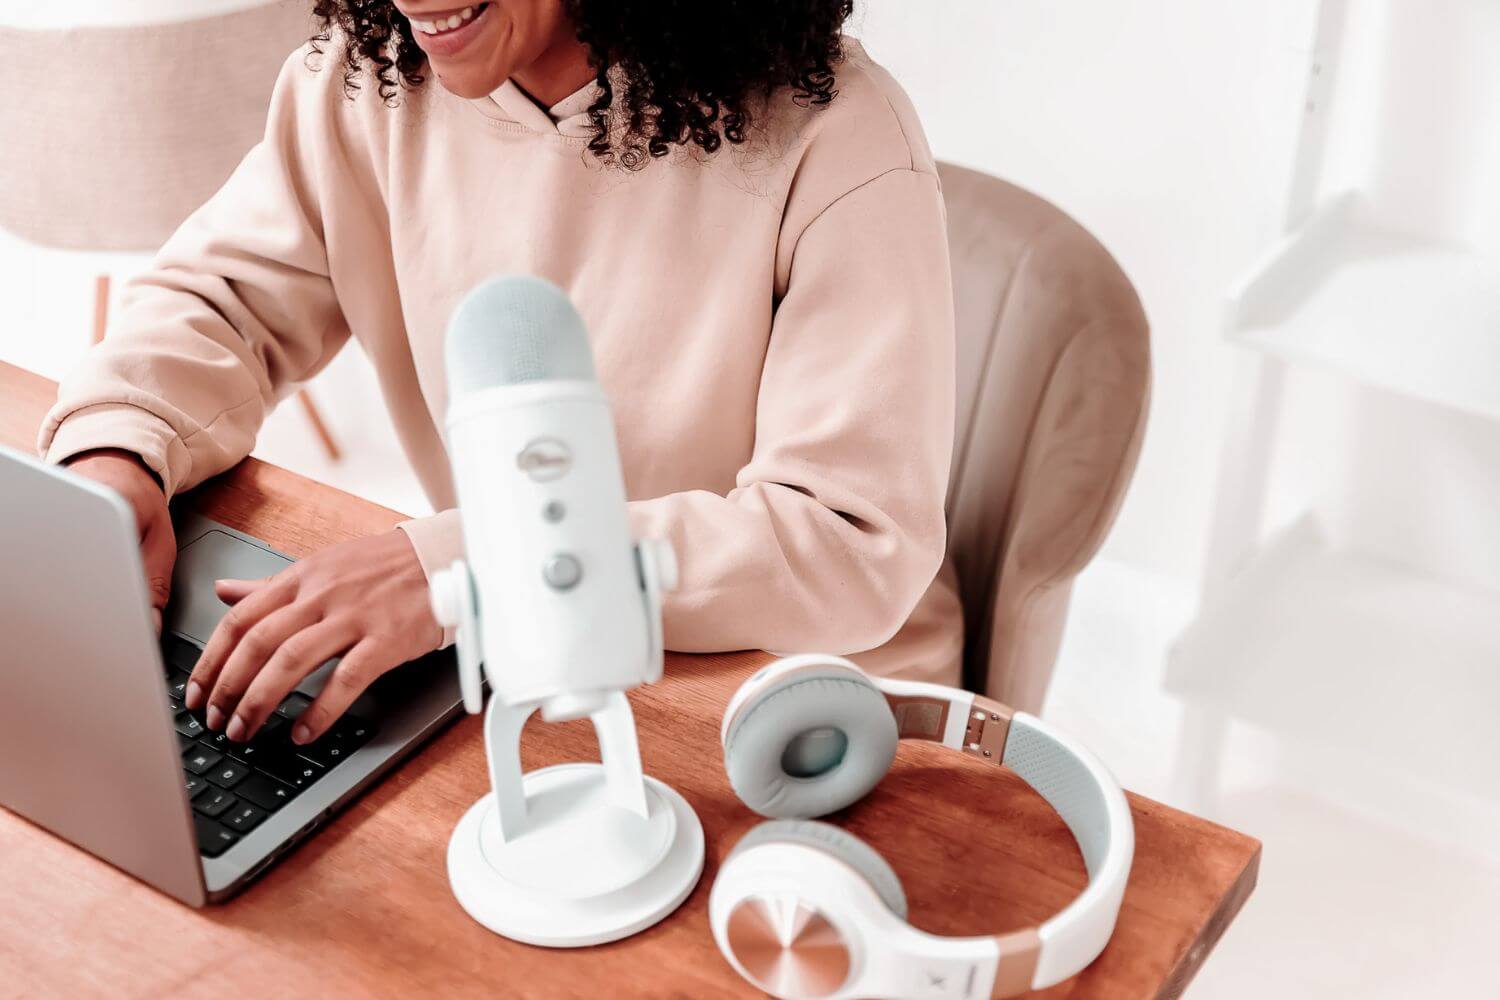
column 1064, row 781
column 845, row 846
column 759, row 737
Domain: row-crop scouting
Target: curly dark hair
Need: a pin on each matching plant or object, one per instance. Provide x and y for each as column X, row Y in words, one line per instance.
column 688, row 73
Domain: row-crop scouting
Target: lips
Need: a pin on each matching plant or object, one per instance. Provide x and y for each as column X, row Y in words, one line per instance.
column 446, row 33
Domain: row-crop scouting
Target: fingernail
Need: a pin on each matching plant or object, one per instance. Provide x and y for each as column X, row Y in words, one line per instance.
column 193, row 696
column 236, row 730
column 300, row 733
column 215, row 719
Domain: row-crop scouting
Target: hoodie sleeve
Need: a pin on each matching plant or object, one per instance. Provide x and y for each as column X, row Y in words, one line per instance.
column 835, row 527
column 235, row 310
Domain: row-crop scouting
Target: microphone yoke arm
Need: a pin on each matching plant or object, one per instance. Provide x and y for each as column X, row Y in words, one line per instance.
column 455, row 605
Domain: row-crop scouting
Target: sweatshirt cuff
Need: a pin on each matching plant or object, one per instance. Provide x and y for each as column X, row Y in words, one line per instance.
column 123, row 426
column 438, row 540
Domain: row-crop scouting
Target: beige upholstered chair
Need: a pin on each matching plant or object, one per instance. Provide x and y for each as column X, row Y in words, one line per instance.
column 1053, row 382
column 134, row 115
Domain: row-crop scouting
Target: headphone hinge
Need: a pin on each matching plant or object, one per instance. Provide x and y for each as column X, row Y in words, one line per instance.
column 988, row 726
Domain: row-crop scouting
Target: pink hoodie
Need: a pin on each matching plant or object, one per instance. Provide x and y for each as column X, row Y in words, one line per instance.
column 773, row 326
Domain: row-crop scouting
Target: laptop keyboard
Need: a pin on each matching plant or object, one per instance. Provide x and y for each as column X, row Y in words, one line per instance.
column 233, row 787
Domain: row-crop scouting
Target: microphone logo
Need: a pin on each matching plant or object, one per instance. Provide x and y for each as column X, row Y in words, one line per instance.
column 545, row 459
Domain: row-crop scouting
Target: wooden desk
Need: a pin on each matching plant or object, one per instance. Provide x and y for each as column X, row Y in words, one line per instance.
column 363, row 908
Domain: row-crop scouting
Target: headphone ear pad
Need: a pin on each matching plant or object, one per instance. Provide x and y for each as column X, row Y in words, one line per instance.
column 840, row 844
column 837, row 733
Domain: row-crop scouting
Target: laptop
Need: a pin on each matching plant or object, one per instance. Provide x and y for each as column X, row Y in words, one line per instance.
column 95, row 744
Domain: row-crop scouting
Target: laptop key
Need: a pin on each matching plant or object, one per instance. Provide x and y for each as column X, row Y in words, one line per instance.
column 250, row 753
column 213, row 802
column 227, row 773
column 195, row 784
column 354, row 730
column 265, row 792
column 183, row 741
column 180, row 654
column 188, row 725
column 294, row 705
column 177, row 685
column 199, row 759
column 213, row 838
column 243, row 817
column 346, row 736
column 299, row 772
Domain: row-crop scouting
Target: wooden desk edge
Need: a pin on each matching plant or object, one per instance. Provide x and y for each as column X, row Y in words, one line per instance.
column 1213, row 929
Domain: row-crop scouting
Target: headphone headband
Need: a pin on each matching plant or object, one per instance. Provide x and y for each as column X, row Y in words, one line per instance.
column 1071, row 780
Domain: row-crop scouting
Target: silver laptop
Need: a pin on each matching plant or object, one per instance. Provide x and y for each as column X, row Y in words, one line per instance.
column 94, row 743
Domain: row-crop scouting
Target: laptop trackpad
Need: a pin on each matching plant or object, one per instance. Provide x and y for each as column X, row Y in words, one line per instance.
column 213, row 555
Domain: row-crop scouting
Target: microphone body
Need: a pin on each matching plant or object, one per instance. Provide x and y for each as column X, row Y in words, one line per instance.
column 559, row 603
column 542, row 502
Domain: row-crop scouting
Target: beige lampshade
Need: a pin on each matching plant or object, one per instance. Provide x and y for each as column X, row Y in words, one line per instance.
column 111, row 136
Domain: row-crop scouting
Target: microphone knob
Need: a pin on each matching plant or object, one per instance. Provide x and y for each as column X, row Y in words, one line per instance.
column 562, row 571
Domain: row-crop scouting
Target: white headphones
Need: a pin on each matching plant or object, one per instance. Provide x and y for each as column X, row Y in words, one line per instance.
column 805, row 910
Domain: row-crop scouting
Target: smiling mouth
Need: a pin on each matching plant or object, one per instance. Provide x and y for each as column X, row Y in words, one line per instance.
column 437, row 25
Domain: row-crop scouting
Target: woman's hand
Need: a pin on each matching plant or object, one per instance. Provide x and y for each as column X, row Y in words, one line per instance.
column 128, row 476
column 365, row 600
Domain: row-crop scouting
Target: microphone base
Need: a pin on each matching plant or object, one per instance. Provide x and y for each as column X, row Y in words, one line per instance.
column 582, row 871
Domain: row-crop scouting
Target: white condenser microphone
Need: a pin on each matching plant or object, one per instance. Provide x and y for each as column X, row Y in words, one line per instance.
column 558, row 583
column 565, row 613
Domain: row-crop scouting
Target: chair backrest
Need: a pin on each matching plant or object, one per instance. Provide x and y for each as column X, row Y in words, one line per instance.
column 137, row 124
column 1053, row 386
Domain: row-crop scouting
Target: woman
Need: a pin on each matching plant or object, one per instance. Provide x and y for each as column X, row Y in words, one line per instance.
column 744, row 210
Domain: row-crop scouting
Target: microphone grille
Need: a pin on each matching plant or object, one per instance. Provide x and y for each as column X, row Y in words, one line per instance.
column 515, row 329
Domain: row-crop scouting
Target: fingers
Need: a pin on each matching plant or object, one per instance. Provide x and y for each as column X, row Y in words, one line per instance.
column 235, row 591
column 233, row 627
column 355, row 672
column 158, row 555
column 298, row 656
column 255, row 648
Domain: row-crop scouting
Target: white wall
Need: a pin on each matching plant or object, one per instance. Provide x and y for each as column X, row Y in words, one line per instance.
column 1164, row 126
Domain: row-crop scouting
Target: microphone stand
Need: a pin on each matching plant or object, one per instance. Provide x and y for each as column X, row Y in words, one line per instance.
column 575, row 854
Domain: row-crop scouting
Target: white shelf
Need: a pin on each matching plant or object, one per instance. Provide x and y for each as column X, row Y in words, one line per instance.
column 1404, row 313
column 1350, row 654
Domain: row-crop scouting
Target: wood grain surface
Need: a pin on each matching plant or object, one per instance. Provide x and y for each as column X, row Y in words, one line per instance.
column 364, row 909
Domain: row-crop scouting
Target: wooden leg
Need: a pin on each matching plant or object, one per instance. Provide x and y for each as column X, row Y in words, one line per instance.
column 101, row 306
column 319, row 427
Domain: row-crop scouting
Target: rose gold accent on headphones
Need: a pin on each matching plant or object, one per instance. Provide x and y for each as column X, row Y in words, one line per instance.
column 989, row 724
column 787, row 947
column 1019, row 952
column 919, row 717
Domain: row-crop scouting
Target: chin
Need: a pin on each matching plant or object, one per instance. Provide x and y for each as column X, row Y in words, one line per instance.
column 468, row 85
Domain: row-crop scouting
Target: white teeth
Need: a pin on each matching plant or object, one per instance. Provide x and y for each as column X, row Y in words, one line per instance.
column 446, row 24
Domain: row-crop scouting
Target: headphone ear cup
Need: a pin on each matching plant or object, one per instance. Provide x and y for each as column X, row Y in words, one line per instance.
column 842, row 845
column 810, row 746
